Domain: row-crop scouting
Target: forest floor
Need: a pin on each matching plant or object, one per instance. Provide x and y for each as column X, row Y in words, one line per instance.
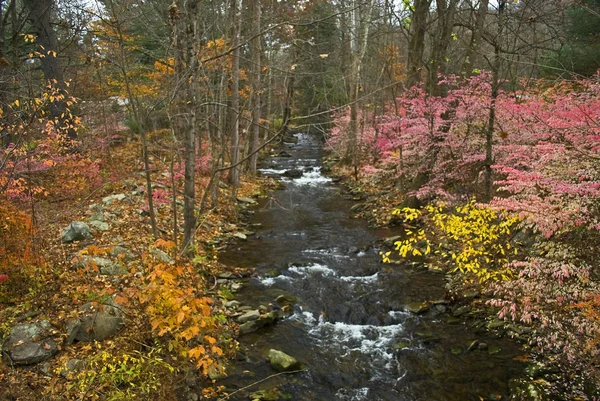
column 68, row 276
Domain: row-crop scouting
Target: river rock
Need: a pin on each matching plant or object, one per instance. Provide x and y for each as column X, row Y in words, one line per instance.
column 241, row 236
column 286, row 299
column 30, row 343
column 248, row 316
column 233, row 304
column 76, row 231
column 390, row 241
column 98, row 323
column 249, row 201
column 283, row 153
column 417, row 307
column 264, row 395
column 282, row 362
column 255, row 325
column 293, row 173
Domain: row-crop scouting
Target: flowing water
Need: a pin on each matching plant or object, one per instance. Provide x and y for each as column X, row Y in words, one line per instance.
column 349, row 327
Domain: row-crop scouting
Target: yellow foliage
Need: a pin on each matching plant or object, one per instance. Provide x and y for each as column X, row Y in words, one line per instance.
column 471, row 238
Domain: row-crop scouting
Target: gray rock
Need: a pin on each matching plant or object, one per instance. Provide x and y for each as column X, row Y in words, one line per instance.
column 251, row 326
column 162, row 256
column 293, row 173
column 282, row 362
column 482, row 346
column 107, row 200
column 30, row 343
column 73, row 367
column 225, row 275
column 99, row 323
column 118, row 251
column 232, row 304
column 105, row 266
column 417, row 307
column 264, row 395
column 283, row 153
column 99, row 225
column 389, row 241
column 286, row 299
column 241, row 236
column 72, row 327
column 255, row 325
column 76, row 231
column 242, row 199
column 248, row 316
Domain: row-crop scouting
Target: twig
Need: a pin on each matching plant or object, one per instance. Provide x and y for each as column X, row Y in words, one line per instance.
column 262, row 380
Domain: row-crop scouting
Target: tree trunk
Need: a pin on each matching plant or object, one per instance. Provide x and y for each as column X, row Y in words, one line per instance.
column 234, row 113
column 361, row 16
column 489, row 132
column 40, row 12
column 476, row 35
column 416, row 45
column 256, row 89
column 437, row 65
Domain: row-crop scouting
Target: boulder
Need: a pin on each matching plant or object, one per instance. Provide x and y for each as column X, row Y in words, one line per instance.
column 241, row 236
column 76, row 231
column 107, row 200
column 105, row 266
column 248, row 316
column 99, row 225
column 264, row 395
column 99, row 322
column 283, row 153
column 417, row 307
column 161, row 256
column 293, row 173
column 282, row 362
column 242, row 199
column 286, row 299
column 118, row 251
column 30, row 343
column 255, row 325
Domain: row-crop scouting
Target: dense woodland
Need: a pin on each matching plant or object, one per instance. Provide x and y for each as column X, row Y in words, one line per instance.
column 474, row 123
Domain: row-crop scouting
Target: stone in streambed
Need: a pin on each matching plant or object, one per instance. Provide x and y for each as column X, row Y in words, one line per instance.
column 417, row 307
column 264, row 395
column 286, row 299
column 248, row 316
column 282, row 362
column 293, row 173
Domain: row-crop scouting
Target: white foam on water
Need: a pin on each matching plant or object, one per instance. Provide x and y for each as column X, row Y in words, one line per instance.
column 269, row 281
column 362, row 279
column 370, row 340
column 311, row 178
column 361, row 254
column 358, row 394
column 271, row 171
column 332, row 252
column 312, row 269
column 305, row 317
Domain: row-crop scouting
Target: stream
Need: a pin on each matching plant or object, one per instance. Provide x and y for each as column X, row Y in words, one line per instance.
column 350, row 327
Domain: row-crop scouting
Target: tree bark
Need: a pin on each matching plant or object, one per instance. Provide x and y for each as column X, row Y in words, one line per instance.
column 234, row 113
column 416, row 45
column 256, row 87
column 40, row 13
